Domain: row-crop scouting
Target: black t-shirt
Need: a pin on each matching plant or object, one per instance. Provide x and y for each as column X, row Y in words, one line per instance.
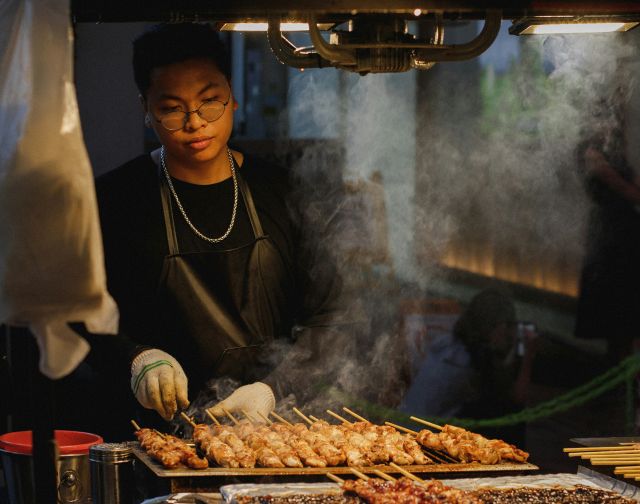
column 135, row 239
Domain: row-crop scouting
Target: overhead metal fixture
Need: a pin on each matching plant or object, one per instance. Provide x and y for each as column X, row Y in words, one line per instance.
column 285, row 26
column 540, row 25
column 374, row 43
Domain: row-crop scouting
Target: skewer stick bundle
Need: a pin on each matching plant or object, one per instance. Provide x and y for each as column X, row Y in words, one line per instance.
column 425, row 422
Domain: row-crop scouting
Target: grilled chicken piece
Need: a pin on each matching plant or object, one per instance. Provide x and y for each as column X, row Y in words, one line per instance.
column 301, row 447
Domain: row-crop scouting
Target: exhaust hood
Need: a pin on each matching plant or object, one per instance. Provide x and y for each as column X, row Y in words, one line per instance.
column 372, row 36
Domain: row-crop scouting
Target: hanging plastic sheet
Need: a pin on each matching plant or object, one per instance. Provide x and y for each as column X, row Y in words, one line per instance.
column 51, row 259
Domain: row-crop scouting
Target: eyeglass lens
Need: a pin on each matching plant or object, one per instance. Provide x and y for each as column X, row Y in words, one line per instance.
column 209, row 111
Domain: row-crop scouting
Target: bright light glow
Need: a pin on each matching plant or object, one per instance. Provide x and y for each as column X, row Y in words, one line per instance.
column 555, row 28
column 417, row 12
column 262, row 27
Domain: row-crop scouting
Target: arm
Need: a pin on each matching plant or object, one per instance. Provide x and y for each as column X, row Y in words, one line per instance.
column 598, row 167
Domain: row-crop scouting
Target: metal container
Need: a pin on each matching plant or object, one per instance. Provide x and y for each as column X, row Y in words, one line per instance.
column 72, row 466
column 112, row 473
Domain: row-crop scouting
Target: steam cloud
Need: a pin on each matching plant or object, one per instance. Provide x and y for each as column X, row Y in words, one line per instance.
column 455, row 170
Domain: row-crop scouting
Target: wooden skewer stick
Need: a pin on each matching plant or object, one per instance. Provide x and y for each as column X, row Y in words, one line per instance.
column 248, row 416
column 424, row 422
column 266, row 419
column 359, row 474
column 400, row 428
column 383, row 475
column 187, row 419
column 625, row 456
column 594, row 448
column 135, row 425
column 603, row 453
column 342, row 419
column 315, row 419
column 212, row 417
column 355, row 415
column 302, row 415
column 615, row 462
column 406, row 473
column 231, row 417
column 281, row 419
column 620, row 470
column 334, row 478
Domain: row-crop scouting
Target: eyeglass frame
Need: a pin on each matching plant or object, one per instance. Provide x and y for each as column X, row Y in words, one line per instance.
column 187, row 113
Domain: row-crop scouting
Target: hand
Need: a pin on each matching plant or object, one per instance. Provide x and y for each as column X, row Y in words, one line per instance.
column 250, row 399
column 159, row 383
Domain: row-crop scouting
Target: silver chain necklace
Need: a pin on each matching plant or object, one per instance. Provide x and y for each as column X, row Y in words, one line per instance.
column 184, row 214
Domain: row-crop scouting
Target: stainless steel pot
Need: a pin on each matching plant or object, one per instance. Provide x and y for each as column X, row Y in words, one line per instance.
column 74, row 480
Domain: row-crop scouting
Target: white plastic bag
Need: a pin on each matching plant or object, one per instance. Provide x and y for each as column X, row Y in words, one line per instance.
column 51, row 258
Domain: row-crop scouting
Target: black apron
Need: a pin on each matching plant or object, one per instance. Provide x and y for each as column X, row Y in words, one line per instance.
column 218, row 309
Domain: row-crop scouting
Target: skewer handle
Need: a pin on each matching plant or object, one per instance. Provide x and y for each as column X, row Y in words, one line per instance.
column 359, row 474
column 212, row 417
column 231, row 417
column 266, row 419
column 596, row 448
column 400, row 428
column 135, row 425
column 406, row 473
column 425, row 422
column 355, row 415
column 280, row 419
column 335, row 478
column 247, row 416
column 383, row 475
column 315, row 419
column 338, row 417
column 302, row 415
column 187, row 419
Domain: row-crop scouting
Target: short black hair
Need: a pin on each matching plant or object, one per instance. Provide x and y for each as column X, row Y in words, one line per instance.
column 168, row 43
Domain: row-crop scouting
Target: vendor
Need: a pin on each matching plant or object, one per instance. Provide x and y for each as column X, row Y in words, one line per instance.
column 202, row 245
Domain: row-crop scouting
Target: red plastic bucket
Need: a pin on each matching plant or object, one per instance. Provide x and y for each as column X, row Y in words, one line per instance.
column 74, row 480
column 69, row 442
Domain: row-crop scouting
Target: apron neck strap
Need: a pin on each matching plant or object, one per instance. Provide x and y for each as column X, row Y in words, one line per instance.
column 256, row 225
column 167, row 212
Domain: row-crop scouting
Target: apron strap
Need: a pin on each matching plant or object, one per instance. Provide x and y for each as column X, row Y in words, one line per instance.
column 248, row 202
column 167, row 211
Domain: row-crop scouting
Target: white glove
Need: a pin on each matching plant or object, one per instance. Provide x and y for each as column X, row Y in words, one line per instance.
column 249, row 399
column 159, row 383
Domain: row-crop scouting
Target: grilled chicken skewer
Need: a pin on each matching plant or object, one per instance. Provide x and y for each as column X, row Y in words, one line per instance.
column 169, row 450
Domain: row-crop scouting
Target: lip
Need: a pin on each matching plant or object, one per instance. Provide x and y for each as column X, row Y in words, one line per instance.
column 199, row 143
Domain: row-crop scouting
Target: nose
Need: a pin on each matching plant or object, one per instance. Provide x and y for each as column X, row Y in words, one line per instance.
column 194, row 121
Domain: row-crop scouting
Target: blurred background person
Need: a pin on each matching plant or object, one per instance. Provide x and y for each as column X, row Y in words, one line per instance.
column 482, row 370
column 609, row 297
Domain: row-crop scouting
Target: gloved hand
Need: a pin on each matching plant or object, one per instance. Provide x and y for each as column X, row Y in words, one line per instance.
column 250, row 399
column 159, row 383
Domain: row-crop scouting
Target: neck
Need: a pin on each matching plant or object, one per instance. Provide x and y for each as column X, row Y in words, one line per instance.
column 209, row 172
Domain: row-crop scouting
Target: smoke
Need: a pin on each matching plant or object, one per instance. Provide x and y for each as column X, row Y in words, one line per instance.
column 465, row 167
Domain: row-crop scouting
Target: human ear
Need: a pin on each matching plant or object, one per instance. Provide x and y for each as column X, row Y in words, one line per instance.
column 147, row 119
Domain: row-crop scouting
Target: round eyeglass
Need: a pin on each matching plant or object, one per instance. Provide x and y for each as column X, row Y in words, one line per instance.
column 210, row 111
